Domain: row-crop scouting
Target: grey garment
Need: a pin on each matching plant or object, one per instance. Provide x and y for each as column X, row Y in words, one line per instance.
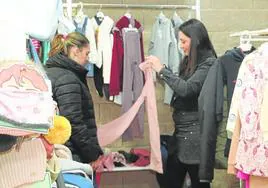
column 176, row 22
column 81, row 28
column 220, row 159
column 67, row 164
column 163, row 45
column 132, row 83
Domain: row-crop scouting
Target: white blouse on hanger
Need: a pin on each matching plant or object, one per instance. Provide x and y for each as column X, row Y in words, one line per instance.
column 104, row 42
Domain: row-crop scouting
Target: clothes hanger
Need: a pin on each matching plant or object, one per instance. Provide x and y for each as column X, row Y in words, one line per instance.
column 161, row 14
column 100, row 14
column 175, row 14
column 80, row 14
column 245, row 42
column 127, row 14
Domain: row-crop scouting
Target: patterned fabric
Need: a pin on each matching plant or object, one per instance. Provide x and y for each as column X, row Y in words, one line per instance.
column 39, row 110
column 248, row 104
column 19, row 83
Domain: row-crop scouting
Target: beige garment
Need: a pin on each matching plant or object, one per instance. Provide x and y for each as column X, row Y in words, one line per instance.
column 233, row 149
column 25, row 166
column 224, row 180
column 264, row 114
column 233, row 111
column 53, row 167
column 62, row 151
column 258, row 182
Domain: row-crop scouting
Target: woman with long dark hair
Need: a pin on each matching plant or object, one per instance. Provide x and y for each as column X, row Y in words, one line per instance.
column 184, row 148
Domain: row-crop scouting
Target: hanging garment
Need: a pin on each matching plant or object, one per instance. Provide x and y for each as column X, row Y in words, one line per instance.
column 42, row 23
column 104, row 42
column 176, row 22
column 65, row 25
column 230, row 63
column 247, row 107
column 120, row 124
column 81, row 28
column 23, row 167
column 98, row 79
column 163, row 45
column 102, row 29
column 34, row 53
column 116, row 78
column 210, row 111
column 45, row 51
column 132, row 83
column 13, row 46
column 37, row 45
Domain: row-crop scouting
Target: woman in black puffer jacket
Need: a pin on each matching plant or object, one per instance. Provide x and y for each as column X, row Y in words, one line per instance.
column 65, row 69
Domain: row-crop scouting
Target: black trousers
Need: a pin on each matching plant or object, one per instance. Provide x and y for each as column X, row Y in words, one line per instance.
column 176, row 172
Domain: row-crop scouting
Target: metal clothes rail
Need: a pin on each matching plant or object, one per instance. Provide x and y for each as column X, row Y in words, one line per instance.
column 195, row 7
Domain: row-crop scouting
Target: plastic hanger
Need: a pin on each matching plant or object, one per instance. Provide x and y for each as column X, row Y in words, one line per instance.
column 100, row 14
column 245, row 42
column 127, row 14
column 161, row 14
column 175, row 14
column 80, row 14
column 176, row 17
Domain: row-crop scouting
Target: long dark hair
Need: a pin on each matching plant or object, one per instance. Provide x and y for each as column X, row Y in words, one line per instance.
column 200, row 42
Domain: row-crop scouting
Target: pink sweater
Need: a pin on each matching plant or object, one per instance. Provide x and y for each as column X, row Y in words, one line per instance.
column 23, row 167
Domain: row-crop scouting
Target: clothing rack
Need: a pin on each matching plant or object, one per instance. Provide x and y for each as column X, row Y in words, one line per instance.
column 195, row 7
column 249, row 36
column 262, row 32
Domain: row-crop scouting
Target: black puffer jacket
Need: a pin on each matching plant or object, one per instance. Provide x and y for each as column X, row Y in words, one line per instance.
column 71, row 92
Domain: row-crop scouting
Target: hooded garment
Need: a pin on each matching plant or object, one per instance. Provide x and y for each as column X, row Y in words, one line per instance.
column 70, row 91
column 230, row 63
column 210, row 103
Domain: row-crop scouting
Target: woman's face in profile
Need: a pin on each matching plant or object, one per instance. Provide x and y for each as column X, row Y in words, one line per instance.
column 83, row 55
column 185, row 43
